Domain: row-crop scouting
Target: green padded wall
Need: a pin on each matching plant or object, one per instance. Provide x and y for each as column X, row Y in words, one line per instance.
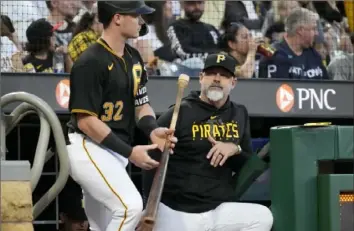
column 295, row 152
column 329, row 188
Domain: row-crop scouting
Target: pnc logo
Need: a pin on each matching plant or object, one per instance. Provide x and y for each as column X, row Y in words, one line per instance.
column 62, row 93
column 285, row 98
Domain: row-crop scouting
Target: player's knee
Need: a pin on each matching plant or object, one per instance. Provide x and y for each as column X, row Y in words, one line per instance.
column 135, row 207
column 264, row 216
column 132, row 208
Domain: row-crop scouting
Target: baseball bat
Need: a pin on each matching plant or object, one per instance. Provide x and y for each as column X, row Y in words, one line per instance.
column 154, row 199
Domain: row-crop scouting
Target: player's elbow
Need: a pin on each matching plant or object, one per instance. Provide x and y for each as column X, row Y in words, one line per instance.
column 84, row 122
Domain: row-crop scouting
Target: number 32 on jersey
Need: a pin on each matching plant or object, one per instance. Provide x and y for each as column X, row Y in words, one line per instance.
column 112, row 111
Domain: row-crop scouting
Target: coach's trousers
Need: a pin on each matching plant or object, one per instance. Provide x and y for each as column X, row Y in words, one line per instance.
column 111, row 200
column 226, row 217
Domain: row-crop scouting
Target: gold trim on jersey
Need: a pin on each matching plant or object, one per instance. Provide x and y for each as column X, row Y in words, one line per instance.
column 107, row 183
column 82, row 111
column 112, row 51
column 137, row 73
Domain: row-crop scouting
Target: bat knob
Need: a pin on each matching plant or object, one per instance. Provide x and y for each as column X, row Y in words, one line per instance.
column 183, row 80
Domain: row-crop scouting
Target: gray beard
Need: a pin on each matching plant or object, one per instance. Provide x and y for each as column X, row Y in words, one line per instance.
column 214, row 95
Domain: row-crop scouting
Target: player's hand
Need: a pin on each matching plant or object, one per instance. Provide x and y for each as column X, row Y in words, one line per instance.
column 159, row 137
column 220, row 152
column 140, row 157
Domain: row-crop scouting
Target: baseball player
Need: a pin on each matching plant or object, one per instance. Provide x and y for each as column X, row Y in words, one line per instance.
column 108, row 95
column 213, row 142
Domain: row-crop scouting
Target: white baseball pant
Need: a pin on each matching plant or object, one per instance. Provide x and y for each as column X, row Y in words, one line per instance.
column 112, row 202
column 226, row 217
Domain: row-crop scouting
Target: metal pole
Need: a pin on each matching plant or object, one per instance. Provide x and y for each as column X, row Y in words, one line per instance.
column 3, row 138
column 39, row 158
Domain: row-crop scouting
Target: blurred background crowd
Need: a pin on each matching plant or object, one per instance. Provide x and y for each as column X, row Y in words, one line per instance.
column 48, row 36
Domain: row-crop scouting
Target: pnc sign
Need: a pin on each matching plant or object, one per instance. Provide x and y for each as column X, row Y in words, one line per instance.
column 298, row 98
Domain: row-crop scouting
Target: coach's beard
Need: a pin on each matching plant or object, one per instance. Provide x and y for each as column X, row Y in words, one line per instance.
column 215, row 95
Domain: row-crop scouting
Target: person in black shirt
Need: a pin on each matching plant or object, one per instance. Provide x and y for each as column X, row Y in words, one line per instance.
column 107, row 96
column 295, row 57
column 213, row 142
column 190, row 37
column 40, row 47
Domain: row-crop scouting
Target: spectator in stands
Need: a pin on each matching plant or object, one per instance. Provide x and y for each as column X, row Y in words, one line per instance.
column 275, row 33
column 12, row 35
column 157, row 38
column 85, row 6
column 22, row 14
column 329, row 11
column 192, row 39
column 295, row 58
column 87, row 31
column 278, row 13
column 40, row 46
column 59, row 12
column 319, row 38
column 72, row 216
column 342, row 68
column 10, row 54
column 239, row 43
column 246, row 12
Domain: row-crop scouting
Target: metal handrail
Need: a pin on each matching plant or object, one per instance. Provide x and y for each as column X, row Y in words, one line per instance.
column 40, row 155
column 51, row 117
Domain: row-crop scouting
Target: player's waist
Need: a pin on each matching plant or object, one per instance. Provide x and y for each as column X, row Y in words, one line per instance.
column 123, row 135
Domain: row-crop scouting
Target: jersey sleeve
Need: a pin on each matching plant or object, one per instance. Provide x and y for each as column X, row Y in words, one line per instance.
column 142, row 97
column 86, row 89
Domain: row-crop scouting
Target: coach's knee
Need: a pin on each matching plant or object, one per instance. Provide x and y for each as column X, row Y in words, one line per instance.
column 264, row 217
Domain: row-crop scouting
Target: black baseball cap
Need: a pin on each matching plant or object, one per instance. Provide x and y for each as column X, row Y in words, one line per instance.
column 221, row 60
column 106, row 9
column 40, row 29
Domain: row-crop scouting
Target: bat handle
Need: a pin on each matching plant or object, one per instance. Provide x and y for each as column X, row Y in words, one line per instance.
column 149, row 220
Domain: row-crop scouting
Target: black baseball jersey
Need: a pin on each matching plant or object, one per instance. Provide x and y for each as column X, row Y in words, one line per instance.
column 105, row 85
column 192, row 185
column 33, row 64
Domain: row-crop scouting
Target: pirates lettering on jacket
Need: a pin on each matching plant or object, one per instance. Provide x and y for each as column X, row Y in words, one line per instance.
column 220, row 131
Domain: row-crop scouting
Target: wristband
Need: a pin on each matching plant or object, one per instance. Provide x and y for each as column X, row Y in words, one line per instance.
column 147, row 124
column 117, row 145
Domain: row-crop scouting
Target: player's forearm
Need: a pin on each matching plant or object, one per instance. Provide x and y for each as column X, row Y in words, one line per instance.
column 146, row 120
column 102, row 134
column 93, row 128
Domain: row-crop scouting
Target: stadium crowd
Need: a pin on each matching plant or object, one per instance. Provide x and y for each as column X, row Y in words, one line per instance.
column 265, row 37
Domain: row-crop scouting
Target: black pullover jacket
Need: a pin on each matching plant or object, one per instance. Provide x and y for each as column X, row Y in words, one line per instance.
column 192, row 185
